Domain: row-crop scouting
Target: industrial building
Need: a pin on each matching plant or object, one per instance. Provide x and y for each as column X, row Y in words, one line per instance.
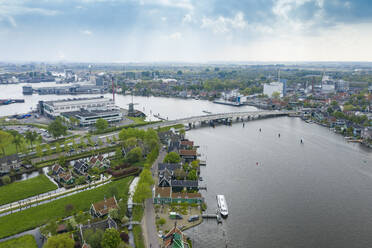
column 55, row 108
column 270, row 88
column 87, row 118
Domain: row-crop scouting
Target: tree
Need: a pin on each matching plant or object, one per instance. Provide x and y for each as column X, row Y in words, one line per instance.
column 161, row 221
column 193, row 175
column 134, row 155
column 57, row 129
column 142, row 192
column 62, row 161
column 101, row 124
column 130, row 142
column 58, row 148
column 80, row 180
column 114, row 213
column 39, row 151
column 172, row 157
column 124, row 236
column 99, row 142
column 5, row 140
column 66, row 146
column 195, row 164
column 48, row 149
column 6, row 180
column 17, row 141
column 275, row 95
column 180, row 174
column 111, row 238
column 94, row 238
column 60, row 241
column 31, row 136
column 146, row 177
column 118, row 153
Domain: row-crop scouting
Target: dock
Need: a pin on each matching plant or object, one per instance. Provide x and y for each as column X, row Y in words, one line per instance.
column 203, row 163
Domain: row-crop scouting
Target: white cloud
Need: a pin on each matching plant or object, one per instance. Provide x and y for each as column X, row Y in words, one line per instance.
column 86, row 32
column 175, row 36
column 187, row 18
column 283, row 9
column 223, row 24
column 184, row 4
column 163, row 19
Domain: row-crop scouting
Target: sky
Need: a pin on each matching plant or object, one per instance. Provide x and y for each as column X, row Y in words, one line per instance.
column 199, row 31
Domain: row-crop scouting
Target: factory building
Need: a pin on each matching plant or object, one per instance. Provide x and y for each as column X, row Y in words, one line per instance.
column 53, row 109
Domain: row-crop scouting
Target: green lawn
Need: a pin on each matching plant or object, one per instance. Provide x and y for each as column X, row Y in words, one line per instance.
column 27, row 241
column 37, row 216
column 23, row 189
column 137, row 120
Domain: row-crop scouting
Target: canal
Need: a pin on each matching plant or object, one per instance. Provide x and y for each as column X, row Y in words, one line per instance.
column 315, row 194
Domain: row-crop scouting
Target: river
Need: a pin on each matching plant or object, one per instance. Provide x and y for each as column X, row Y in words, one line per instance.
column 171, row 108
column 316, row 194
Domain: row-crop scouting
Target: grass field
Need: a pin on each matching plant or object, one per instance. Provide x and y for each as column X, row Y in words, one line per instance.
column 23, row 189
column 37, row 216
column 27, row 241
column 137, row 120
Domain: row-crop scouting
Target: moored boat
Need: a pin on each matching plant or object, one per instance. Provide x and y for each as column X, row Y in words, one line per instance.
column 222, row 205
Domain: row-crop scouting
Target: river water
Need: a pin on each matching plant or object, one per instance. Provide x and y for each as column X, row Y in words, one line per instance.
column 316, row 194
column 171, row 108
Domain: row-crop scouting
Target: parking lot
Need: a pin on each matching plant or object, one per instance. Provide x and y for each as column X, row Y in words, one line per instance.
column 23, row 129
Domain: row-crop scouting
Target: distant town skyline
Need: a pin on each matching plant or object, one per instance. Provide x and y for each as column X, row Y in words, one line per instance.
column 185, row 30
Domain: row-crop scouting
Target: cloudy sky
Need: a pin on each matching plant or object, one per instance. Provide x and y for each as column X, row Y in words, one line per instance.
column 185, row 30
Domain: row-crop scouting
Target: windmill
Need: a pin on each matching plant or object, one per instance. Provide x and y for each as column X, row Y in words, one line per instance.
column 131, row 111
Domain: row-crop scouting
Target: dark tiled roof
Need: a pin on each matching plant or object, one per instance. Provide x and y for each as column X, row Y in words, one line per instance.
column 184, row 183
column 171, row 167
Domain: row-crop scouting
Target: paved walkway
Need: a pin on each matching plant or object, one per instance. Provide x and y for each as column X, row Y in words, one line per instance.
column 148, row 221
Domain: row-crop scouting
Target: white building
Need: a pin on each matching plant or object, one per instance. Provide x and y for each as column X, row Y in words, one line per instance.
column 328, row 88
column 55, row 108
column 270, row 88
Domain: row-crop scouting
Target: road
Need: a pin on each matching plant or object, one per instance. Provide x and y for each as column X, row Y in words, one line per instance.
column 148, row 221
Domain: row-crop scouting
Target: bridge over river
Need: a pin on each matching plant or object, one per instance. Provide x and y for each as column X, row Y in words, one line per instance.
column 225, row 117
column 212, row 119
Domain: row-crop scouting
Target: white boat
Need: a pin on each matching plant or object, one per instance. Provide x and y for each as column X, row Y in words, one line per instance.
column 222, row 205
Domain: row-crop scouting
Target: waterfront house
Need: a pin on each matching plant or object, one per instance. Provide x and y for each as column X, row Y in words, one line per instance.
column 164, row 182
column 57, row 169
column 188, row 155
column 81, row 167
column 175, row 239
column 187, row 144
column 165, row 195
column 66, row 177
column 170, row 167
column 179, row 185
column 102, row 208
column 99, row 161
column 102, row 225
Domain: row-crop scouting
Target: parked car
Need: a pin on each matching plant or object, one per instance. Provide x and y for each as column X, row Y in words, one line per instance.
column 193, row 218
column 174, row 215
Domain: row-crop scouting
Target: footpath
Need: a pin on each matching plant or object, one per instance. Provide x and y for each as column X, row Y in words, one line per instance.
column 148, row 221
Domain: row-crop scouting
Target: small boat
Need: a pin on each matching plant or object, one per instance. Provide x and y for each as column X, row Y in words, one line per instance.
column 222, row 206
